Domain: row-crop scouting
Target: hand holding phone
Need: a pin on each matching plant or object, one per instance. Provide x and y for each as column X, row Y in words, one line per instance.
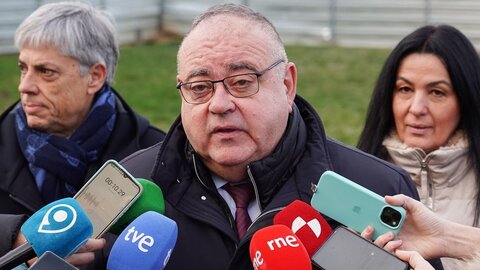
column 355, row 206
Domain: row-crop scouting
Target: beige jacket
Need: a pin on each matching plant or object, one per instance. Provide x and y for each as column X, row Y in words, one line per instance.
column 444, row 178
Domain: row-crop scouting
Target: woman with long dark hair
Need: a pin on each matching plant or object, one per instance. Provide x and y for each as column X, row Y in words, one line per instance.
column 424, row 116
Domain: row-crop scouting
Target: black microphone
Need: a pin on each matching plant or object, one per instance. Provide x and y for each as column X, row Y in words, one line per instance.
column 49, row 261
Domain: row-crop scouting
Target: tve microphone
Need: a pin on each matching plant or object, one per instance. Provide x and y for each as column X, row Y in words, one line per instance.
column 60, row 227
column 277, row 247
column 150, row 200
column 146, row 243
column 306, row 222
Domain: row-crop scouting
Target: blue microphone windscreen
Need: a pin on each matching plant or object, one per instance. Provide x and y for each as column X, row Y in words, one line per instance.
column 146, row 243
column 60, row 227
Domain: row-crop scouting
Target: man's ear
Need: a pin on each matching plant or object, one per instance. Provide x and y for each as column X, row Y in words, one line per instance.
column 290, row 83
column 97, row 74
column 178, row 79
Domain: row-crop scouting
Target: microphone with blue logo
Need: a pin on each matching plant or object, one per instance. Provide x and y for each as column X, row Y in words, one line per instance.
column 146, row 243
column 60, row 227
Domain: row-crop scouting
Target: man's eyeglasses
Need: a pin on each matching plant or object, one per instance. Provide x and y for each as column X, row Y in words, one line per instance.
column 240, row 86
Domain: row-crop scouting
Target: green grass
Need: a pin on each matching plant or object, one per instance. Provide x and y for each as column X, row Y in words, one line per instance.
column 337, row 81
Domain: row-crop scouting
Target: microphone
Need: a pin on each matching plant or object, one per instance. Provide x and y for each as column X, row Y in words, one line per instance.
column 49, row 261
column 146, row 243
column 277, row 247
column 61, row 227
column 150, row 200
column 306, row 222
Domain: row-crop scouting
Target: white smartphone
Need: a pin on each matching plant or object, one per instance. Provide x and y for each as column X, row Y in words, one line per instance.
column 107, row 195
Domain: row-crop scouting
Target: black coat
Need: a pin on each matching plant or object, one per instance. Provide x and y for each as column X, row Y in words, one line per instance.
column 18, row 191
column 206, row 234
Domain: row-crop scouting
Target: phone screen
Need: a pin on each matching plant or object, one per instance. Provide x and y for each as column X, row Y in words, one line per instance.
column 107, row 195
column 345, row 249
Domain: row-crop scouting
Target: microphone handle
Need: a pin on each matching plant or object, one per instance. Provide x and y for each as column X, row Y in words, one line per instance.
column 17, row 256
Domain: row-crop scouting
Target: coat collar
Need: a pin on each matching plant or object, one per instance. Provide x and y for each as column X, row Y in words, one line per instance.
column 188, row 186
column 446, row 165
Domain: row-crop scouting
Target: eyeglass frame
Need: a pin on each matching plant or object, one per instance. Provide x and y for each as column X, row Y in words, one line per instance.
column 258, row 74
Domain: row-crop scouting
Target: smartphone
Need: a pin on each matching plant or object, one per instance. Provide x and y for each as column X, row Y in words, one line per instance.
column 107, row 195
column 355, row 206
column 49, row 261
column 345, row 249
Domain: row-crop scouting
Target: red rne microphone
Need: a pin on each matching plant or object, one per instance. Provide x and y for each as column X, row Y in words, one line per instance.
column 276, row 247
column 307, row 223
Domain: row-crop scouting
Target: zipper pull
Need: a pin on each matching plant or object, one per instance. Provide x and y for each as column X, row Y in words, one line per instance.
column 313, row 187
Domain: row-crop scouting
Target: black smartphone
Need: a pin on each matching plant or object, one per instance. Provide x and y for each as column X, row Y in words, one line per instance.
column 345, row 249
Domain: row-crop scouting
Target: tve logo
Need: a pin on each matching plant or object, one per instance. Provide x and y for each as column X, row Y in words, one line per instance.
column 313, row 224
column 146, row 243
column 58, row 219
column 142, row 239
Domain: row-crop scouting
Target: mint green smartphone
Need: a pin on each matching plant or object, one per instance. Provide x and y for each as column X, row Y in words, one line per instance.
column 355, row 206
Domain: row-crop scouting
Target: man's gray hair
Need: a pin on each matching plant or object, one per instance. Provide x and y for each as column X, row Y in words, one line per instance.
column 237, row 10
column 245, row 13
column 77, row 30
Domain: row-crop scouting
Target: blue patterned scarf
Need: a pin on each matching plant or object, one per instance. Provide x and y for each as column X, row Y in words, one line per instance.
column 60, row 164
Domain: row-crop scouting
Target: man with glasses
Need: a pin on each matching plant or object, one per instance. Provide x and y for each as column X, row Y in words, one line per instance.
column 246, row 145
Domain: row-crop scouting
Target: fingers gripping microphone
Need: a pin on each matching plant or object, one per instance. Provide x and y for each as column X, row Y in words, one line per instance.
column 277, row 247
column 146, row 243
column 60, row 227
column 150, row 200
column 306, row 222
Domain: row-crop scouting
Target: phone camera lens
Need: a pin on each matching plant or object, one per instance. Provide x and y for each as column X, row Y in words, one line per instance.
column 390, row 216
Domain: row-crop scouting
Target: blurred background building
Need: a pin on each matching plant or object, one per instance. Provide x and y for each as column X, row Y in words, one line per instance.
column 354, row 23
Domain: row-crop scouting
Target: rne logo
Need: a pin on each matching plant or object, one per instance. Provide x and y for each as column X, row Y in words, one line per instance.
column 280, row 242
column 257, row 260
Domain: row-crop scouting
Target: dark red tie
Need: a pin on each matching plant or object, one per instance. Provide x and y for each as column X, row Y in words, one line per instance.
column 242, row 194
